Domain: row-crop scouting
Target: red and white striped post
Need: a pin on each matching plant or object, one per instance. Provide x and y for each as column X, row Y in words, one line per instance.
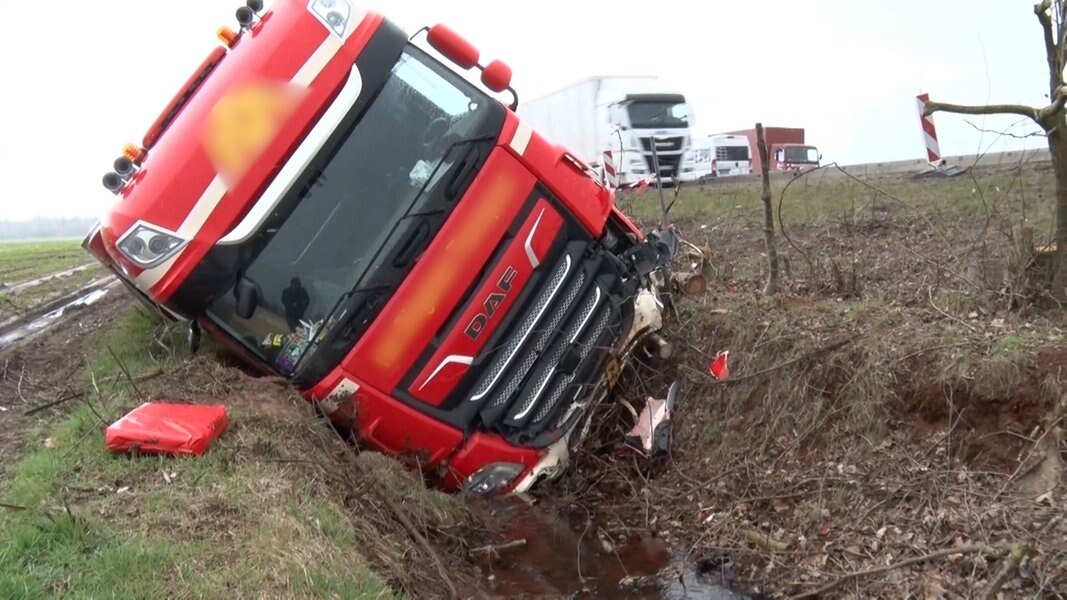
column 611, row 178
column 933, row 150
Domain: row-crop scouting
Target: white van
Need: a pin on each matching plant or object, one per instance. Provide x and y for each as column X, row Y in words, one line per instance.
column 718, row 156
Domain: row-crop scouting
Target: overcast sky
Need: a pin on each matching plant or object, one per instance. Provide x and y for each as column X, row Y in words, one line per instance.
column 83, row 78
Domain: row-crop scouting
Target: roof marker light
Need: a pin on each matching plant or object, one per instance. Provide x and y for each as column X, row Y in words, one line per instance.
column 134, row 153
column 112, row 182
column 227, row 36
column 123, row 167
column 245, row 17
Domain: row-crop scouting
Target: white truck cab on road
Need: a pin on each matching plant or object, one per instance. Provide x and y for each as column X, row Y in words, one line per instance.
column 638, row 118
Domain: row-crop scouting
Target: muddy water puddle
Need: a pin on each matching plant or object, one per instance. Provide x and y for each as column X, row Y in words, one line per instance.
column 50, row 318
column 548, row 553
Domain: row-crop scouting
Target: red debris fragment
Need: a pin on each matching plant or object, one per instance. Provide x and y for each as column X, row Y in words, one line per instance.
column 720, row 367
column 160, row 428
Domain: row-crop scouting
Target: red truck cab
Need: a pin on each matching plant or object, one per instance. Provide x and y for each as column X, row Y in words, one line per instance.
column 342, row 209
column 793, row 157
column 785, row 148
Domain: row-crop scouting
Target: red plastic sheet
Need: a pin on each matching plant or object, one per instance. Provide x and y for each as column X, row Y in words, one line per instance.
column 159, row 428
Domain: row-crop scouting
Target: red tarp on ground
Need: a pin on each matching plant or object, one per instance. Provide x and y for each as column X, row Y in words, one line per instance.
column 156, row 428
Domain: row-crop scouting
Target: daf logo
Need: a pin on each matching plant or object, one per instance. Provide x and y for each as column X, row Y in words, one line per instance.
column 491, row 304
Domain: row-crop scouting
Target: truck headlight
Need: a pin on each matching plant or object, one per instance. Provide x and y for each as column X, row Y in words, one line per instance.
column 147, row 245
column 493, row 478
column 334, row 14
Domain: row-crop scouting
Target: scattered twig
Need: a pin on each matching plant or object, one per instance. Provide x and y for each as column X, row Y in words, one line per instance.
column 18, row 388
column 1037, row 443
column 89, row 431
column 11, row 506
column 126, row 372
column 816, row 352
column 897, row 565
column 930, row 295
column 764, row 540
column 401, row 515
column 74, row 395
column 53, row 403
column 1011, row 566
column 495, row 549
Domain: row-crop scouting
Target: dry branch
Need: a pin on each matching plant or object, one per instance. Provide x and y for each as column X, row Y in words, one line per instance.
column 76, row 395
column 126, row 372
column 768, row 213
column 402, row 516
column 495, row 549
column 816, row 352
column 1011, row 565
column 898, row 565
column 987, row 109
column 690, row 284
column 764, row 540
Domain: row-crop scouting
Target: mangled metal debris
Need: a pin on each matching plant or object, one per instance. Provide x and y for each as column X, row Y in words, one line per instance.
column 652, row 433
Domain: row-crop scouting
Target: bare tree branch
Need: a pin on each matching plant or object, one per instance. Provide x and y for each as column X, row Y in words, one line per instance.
column 1061, row 35
column 1050, row 112
column 1041, row 9
column 991, row 109
column 1006, row 133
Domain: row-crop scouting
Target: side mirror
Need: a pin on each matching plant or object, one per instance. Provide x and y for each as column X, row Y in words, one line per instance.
column 496, row 76
column 454, row 47
column 247, row 295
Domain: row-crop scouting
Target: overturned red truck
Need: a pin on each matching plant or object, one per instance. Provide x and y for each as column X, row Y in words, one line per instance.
column 340, row 208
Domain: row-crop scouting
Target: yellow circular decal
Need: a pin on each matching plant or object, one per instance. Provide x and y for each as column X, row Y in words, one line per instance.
column 245, row 121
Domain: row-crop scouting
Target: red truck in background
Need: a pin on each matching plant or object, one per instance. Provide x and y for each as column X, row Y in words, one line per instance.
column 785, row 146
column 342, row 209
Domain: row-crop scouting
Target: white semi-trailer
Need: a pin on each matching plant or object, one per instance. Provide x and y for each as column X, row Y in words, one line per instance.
column 630, row 116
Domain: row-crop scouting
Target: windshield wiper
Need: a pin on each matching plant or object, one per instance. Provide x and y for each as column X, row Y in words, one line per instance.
column 455, row 182
column 344, row 303
column 337, row 311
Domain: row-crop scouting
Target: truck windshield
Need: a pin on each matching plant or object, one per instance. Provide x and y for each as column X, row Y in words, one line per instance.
column 304, row 267
column 659, row 115
column 801, row 154
column 732, row 153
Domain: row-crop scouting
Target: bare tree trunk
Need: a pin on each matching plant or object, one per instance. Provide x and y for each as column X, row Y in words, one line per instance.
column 768, row 213
column 1057, row 145
column 1052, row 15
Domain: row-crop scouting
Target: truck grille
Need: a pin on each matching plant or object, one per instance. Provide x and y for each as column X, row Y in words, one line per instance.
column 537, row 369
column 663, row 144
column 670, row 157
column 668, row 164
column 507, row 353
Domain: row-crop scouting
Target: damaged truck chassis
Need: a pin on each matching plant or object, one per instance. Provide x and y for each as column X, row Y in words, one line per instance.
column 339, row 208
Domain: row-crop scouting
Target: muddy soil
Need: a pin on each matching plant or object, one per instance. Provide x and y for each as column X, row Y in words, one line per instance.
column 45, row 367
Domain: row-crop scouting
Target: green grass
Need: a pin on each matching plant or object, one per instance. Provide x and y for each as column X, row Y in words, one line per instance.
column 20, row 261
column 22, row 299
column 818, row 198
column 230, row 524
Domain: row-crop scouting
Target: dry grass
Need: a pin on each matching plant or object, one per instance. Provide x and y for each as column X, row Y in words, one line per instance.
column 915, row 435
